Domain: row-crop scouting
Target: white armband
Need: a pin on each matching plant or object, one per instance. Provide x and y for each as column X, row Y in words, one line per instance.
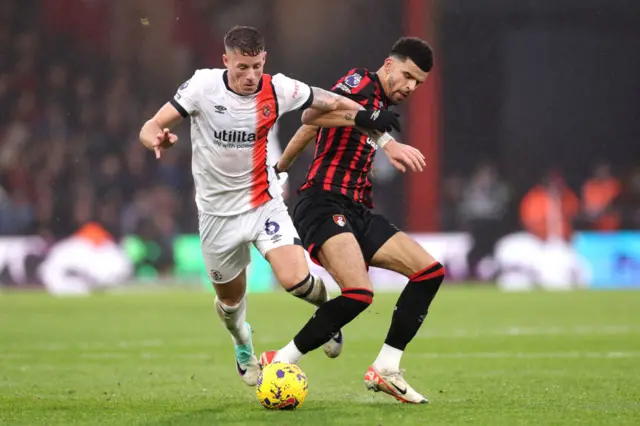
column 383, row 139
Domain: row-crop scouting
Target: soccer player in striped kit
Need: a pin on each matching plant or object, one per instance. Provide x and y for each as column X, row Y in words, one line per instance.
column 338, row 228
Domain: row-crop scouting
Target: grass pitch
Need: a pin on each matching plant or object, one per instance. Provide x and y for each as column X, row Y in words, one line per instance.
column 482, row 357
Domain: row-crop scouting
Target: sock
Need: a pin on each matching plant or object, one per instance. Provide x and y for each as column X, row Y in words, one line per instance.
column 290, row 354
column 311, row 289
column 331, row 317
column 409, row 313
column 233, row 317
column 388, row 359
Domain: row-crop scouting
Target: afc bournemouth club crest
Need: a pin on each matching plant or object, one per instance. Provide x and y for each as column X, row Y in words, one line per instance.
column 339, row 220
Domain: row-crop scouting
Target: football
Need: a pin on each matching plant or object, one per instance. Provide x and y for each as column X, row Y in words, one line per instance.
column 282, row 386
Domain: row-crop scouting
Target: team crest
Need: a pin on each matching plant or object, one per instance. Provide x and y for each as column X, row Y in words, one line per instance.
column 353, row 80
column 215, row 275
column 266, row 111
column 339, row 220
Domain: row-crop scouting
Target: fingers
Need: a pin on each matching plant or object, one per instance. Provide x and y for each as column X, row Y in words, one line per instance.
column 158, row 152
column 398, row 165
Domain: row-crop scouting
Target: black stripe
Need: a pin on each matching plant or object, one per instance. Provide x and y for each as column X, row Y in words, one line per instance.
column 301, row 283
column 362, row 291
column 183, row 112
column 308, row 292
column 309, row 100
column 275, row 98
column 297, row 242
column 431, row 270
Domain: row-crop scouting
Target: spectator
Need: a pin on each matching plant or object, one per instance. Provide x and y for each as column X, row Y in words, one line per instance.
column 549, row 208
column 598, row 195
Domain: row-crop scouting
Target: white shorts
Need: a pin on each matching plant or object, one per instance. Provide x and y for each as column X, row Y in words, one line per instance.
column 225, row 240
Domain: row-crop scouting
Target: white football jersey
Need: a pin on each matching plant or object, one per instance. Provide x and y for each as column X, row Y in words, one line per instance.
column 229, row 134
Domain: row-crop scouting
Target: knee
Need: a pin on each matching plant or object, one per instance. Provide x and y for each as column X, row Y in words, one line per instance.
column 230, row 301
column 294, row 279
column 433, row 272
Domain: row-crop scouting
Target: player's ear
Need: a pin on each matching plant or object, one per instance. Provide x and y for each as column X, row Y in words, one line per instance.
column 225, row 60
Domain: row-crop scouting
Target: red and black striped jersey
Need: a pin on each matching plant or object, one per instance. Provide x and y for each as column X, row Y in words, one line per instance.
column 344, row 156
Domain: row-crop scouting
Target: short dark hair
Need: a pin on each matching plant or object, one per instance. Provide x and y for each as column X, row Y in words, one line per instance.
column 415, row 49
column 246, row 40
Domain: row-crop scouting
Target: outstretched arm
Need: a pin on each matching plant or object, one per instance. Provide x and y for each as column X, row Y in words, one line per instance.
column 332, row 110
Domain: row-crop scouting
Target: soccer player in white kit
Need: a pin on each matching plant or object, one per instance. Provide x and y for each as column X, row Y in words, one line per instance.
column 238, row 196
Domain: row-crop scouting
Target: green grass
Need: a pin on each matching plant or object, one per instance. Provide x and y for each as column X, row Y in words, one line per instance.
column 483, row 357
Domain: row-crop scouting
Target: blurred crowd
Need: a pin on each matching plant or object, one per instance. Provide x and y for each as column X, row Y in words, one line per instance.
column 76, row 87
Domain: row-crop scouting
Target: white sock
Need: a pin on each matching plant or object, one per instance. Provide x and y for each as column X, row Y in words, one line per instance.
column 233, row 318
column 388, row 359
column 289, row 354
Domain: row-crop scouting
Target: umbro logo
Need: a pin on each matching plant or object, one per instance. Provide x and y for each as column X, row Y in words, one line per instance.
column 220, row 109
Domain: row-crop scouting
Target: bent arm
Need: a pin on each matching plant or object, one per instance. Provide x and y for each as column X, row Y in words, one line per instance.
column 330, row 110
column 305, row 135
column 167, row 117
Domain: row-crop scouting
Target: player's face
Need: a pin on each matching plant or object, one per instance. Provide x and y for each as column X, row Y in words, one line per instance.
column 245, row 71
column 403, row 78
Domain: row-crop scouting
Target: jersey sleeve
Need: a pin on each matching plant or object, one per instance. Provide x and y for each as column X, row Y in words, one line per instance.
column 187, row 98
column 355, row 86
column 292, row 94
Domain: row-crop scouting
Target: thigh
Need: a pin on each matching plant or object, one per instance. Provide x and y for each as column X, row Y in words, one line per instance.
column 319, row 218
column 224, row 250
column 277, row 240
column 341, row 256
column 402, row 254
column 377, row 232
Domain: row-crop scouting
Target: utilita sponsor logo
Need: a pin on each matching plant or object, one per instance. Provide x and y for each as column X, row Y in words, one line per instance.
column 234, row 136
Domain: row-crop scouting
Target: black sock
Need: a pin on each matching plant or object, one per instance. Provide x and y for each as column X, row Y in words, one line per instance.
column 331, row 317
column 413, row 305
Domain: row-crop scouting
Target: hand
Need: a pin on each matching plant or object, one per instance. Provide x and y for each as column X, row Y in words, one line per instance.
column 164, row 140
column 401, row 155
column 380, row 120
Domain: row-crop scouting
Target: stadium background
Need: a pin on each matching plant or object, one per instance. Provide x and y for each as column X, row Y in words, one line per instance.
column 523, row 93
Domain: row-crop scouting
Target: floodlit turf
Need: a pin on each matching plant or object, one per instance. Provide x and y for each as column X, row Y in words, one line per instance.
column 483, row 357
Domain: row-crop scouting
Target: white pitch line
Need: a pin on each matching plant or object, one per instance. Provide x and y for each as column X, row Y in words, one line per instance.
column 526, row 355
column 259, row 338
column 425, row 355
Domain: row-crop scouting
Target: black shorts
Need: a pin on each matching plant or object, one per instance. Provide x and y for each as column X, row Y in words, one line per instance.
column 319, row 215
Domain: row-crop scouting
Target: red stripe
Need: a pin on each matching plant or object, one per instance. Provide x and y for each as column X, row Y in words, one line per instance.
column 359, row 191
column 361, row 297
column 438, row 273
column 317, row 161
column 313, row 259
column 356, row 289
column 333, row 166
column 266, row 115
column 419, row 277
column 352, row 165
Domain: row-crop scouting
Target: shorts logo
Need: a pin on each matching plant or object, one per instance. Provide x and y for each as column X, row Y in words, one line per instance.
column 215, row 275
column 271, row 228
column 353, row 80
column 184, row 85
column 339, row 220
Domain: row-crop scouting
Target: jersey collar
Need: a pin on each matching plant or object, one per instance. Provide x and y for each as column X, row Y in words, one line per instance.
column 226, row 84
column 376, row 79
